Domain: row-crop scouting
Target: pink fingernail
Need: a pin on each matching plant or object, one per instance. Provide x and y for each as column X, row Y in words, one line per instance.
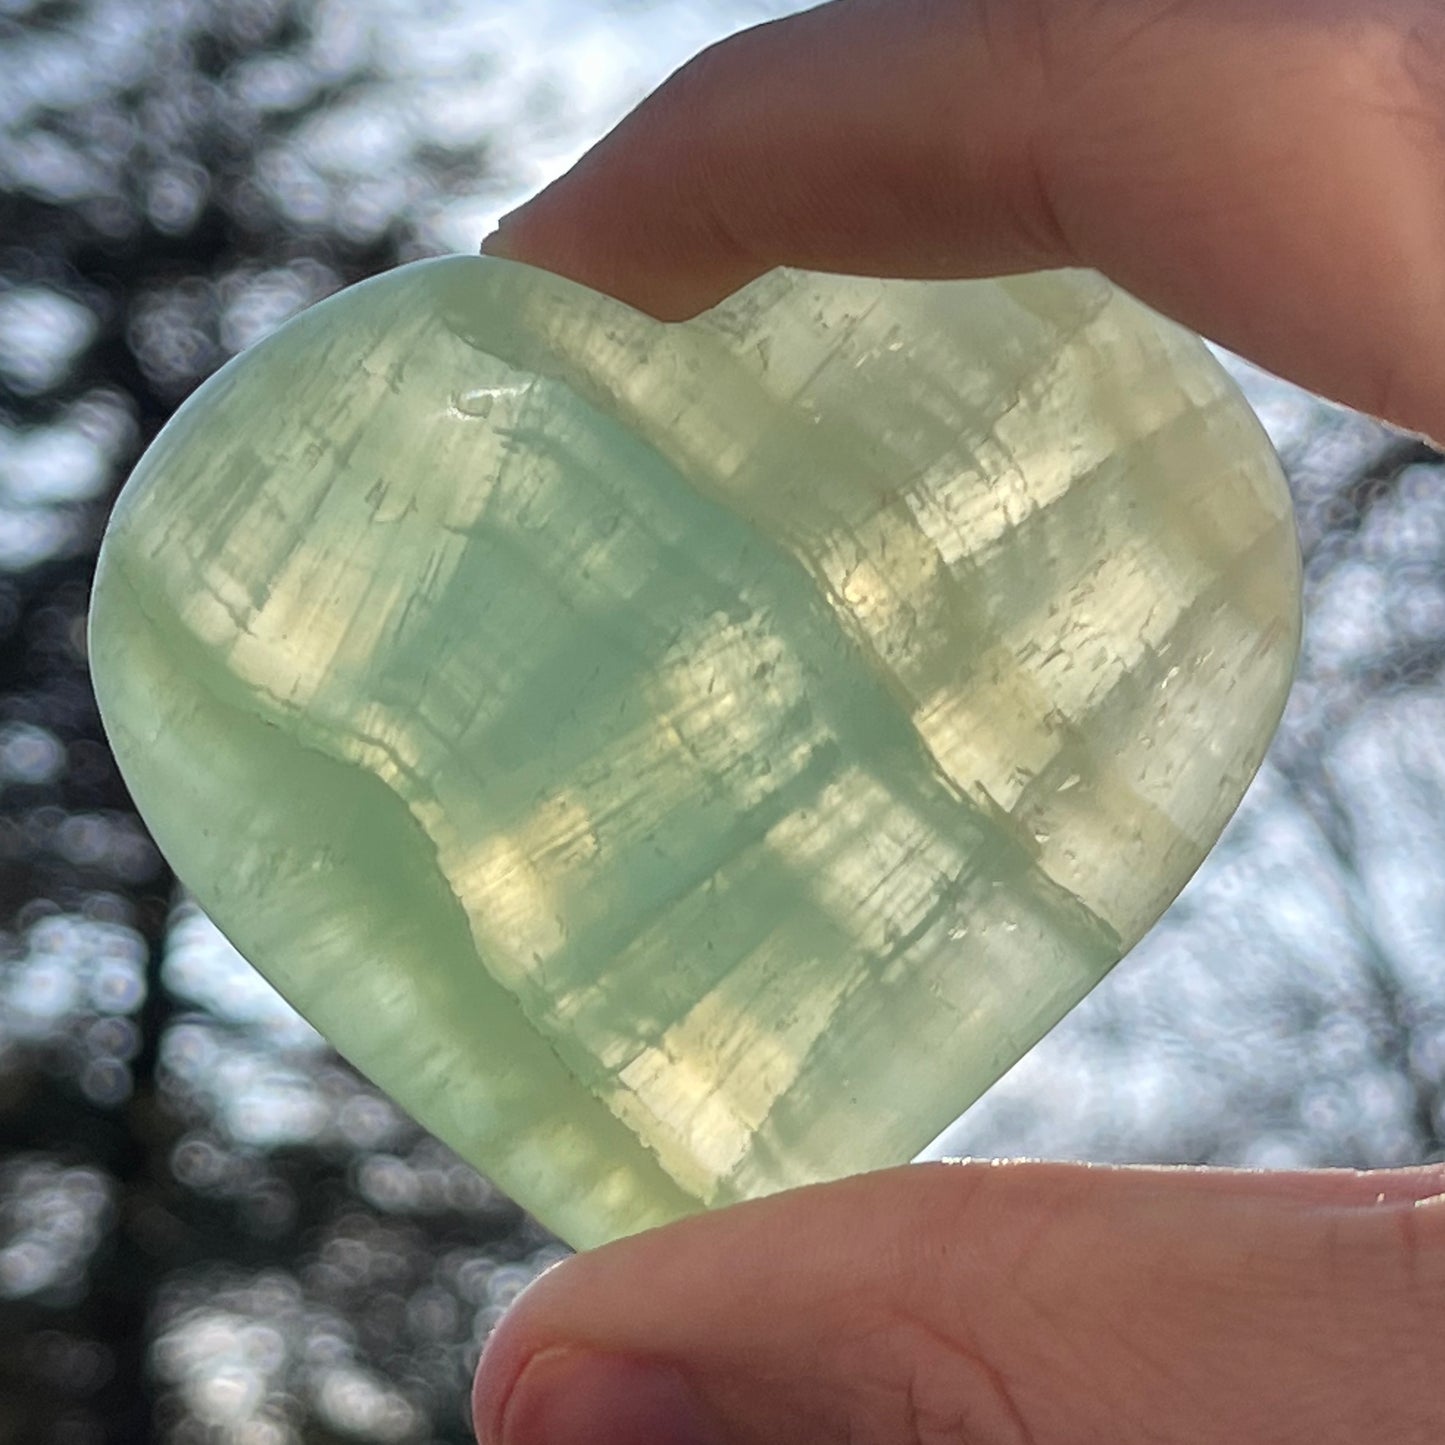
column 576, row 1397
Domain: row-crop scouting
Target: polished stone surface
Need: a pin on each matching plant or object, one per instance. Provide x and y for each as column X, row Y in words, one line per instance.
column 681, row 762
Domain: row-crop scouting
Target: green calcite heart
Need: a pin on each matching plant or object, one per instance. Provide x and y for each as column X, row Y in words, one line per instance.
column 680, row 762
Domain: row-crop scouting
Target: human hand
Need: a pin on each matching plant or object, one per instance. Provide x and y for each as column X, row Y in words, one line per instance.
column 1271, row 173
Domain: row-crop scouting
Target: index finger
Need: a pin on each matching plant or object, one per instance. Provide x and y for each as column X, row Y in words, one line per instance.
column 1269, row 172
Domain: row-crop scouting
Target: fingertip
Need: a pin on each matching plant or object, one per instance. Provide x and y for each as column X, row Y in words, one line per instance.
column 563, row 231
column 495, row 244
column 567, row 1396
column 504, row 1358
column 833, row 141
column 542, row 1381
column 523, row 1333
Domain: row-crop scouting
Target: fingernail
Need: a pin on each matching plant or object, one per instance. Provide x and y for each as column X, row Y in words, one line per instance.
column 575, row 1397
column 494, row 245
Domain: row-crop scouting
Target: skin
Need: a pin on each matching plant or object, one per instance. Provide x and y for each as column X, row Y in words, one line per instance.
column 1271, row 173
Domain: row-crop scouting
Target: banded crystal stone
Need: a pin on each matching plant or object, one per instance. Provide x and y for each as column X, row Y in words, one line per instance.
column 683, row 761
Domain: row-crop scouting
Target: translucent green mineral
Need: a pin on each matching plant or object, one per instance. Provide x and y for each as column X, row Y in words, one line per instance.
column 684, row 761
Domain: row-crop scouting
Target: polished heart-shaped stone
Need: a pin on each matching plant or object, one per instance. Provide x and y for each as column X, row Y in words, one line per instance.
column 682, row 761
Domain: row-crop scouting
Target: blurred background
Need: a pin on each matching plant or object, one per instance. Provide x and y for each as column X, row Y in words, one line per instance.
column 211, row 1230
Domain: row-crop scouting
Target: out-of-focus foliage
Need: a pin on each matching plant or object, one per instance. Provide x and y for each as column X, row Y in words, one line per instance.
column 210, row 1229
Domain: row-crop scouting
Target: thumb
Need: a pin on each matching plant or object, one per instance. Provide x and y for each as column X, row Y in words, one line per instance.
column 1012, row 1304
